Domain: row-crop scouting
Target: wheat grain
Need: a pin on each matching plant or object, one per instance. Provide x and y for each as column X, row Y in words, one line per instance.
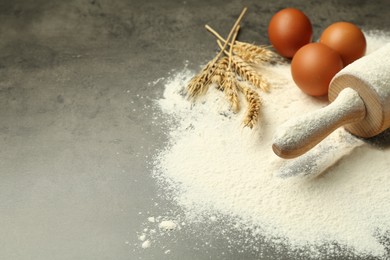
column 229, row 85
column 199, row 84
column 252, row 53
column 223, row 71
column 247, row 72
column 220, row 71
column 254, row 104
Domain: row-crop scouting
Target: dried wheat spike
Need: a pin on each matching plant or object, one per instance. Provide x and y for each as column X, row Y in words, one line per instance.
column 254, row 104
column 248, row 73
column 219, row 74
column 199, row 84
column 252, row 53
column 229, row 85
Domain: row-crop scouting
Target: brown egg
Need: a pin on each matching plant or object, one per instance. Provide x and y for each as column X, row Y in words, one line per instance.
column 313, row 67
column 289, row 30
column 345, row 38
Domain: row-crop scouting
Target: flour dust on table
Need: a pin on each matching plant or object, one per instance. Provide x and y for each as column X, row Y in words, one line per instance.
column 334, row 200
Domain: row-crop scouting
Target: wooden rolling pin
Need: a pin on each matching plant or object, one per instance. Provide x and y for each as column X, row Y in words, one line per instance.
column 360, row 101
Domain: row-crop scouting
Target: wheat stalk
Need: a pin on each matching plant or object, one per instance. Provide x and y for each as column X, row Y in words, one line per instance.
column 254, row 104
column 229, row 83
column 248, row 52
column 199, row 83
column 247, row 72
column 223, row 72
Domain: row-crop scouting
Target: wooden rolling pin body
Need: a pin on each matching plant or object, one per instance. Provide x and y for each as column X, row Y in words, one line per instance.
column 365, row 115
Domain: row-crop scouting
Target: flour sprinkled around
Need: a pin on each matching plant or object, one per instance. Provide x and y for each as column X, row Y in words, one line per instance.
column 167, row 225
column 214, row 167
column 146, row 244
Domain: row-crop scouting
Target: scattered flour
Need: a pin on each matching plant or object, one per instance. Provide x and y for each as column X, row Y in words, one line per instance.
column 151, row 219
column 146, row 244
column 167, row 225
column 155, row 230
column 142, row 237
column 212, row 165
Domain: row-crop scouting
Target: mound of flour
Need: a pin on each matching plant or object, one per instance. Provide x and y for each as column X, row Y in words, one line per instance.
column 337, row 193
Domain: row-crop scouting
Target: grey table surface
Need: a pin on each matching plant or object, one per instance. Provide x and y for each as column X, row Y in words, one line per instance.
column 76, row 133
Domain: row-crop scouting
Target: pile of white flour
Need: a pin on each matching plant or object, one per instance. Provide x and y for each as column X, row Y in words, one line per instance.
column 213, row 164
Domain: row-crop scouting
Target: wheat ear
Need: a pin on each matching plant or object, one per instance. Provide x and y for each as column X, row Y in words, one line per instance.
column 247, row 72
column 199, row 84
column 220, row 72
column 248, row 52
column 252, row 53
column 254, row 104
column 229, row 83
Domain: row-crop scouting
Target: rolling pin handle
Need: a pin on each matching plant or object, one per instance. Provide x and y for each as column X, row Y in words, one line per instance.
column 298, row 136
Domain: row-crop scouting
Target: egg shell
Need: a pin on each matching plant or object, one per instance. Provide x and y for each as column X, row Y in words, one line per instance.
column 345, row 38
column 313, row 67
column 289, row 30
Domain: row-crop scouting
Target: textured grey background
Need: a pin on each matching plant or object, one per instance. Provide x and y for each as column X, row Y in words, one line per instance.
column 76, row 128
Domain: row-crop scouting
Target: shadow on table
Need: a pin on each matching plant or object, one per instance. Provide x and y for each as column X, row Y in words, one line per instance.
column 381, row 141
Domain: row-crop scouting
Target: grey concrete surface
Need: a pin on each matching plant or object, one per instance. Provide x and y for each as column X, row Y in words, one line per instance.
column 76, row 129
